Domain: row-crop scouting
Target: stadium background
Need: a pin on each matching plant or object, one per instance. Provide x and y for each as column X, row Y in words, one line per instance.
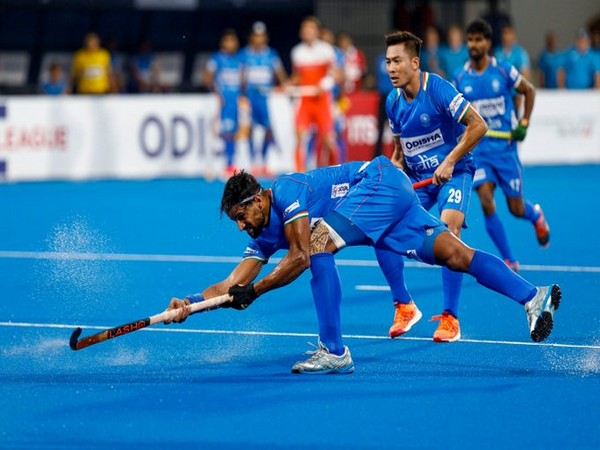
column 193, row 27
column 176, row 133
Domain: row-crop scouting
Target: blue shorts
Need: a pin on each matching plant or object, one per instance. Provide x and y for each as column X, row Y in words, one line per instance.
column 504, row 170
column 455, row 194
column 260, row 110
column 386, row 212
column 229, row 116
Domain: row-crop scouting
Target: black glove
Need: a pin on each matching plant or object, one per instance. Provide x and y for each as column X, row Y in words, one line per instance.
column 243, row 296
column 519, row 133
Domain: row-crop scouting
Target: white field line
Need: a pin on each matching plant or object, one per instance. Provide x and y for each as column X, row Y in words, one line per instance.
column 140, row 257
column 289, row 334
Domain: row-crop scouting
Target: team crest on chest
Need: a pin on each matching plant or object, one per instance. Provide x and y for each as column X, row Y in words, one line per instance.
column 425, row 119
column 495, row 85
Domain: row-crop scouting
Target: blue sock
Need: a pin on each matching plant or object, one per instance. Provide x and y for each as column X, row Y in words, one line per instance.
column 311, row 145
column 496, row 231
column 229, row 151
column 341, row 145
column 265, row 148
column 251, row 149
column 392, row 266
column 327, row 294
column 530, row 213
column 492, row 273
column 452, row 282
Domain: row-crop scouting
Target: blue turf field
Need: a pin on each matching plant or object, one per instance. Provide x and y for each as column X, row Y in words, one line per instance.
column 106, row 253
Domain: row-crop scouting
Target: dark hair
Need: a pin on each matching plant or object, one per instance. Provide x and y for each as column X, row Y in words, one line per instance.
column 229, row 32
column 411, row 42
column 480, row 26
column 240, row 187
column 312, row 19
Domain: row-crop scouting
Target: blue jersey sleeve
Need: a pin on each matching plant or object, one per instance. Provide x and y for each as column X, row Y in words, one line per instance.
column 255, row 251
column 275, row 60
column 447, row 99
column 512, row 74
column 525, row 60
column 290, row 197
column 389, row 105
column 212, row 64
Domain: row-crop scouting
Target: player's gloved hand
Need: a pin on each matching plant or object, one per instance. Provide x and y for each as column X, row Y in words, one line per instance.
column 519, row 133
column 243, row 296
column 180, row 305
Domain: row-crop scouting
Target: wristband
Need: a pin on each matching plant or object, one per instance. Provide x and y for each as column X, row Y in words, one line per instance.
column 195, row 298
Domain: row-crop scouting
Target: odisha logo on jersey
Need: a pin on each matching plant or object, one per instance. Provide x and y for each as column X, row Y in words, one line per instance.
column 423, row 141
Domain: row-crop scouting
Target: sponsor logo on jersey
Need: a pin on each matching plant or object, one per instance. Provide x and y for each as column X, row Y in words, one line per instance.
column 259, row 75
column 514, row 74
column 339, row 190
column 479, row 175
column 418, row 144
column 490, row 107
column 455, row 104
column 292, row 207
column 422, row 163
column 230, row 77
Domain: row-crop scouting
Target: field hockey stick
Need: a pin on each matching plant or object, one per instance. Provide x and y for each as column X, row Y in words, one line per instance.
column 206, row 305
column 299, row 91
column 499, row 134
column 423, row 183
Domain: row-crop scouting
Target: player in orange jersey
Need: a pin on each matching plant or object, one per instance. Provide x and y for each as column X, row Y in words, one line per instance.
column 314, row 72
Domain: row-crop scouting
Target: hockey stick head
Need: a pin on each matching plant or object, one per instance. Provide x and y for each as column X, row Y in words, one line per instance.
column 74, row 338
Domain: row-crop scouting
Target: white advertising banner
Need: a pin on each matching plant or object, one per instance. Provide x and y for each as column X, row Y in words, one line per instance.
column 565, row 128
column 79, row 138
column 132, row 137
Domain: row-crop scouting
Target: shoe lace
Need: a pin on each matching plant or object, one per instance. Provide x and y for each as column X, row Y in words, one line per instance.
column 446, row 322
column 404, row 312
column 534, row 306
column 317, row 350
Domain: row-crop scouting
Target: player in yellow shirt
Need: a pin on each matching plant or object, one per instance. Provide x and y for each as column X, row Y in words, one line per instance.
column 91, row 72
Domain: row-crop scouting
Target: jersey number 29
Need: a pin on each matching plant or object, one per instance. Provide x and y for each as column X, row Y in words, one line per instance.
column 455, row 195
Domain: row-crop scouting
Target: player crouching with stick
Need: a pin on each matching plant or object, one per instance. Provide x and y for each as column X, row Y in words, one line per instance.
column 360, row 204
